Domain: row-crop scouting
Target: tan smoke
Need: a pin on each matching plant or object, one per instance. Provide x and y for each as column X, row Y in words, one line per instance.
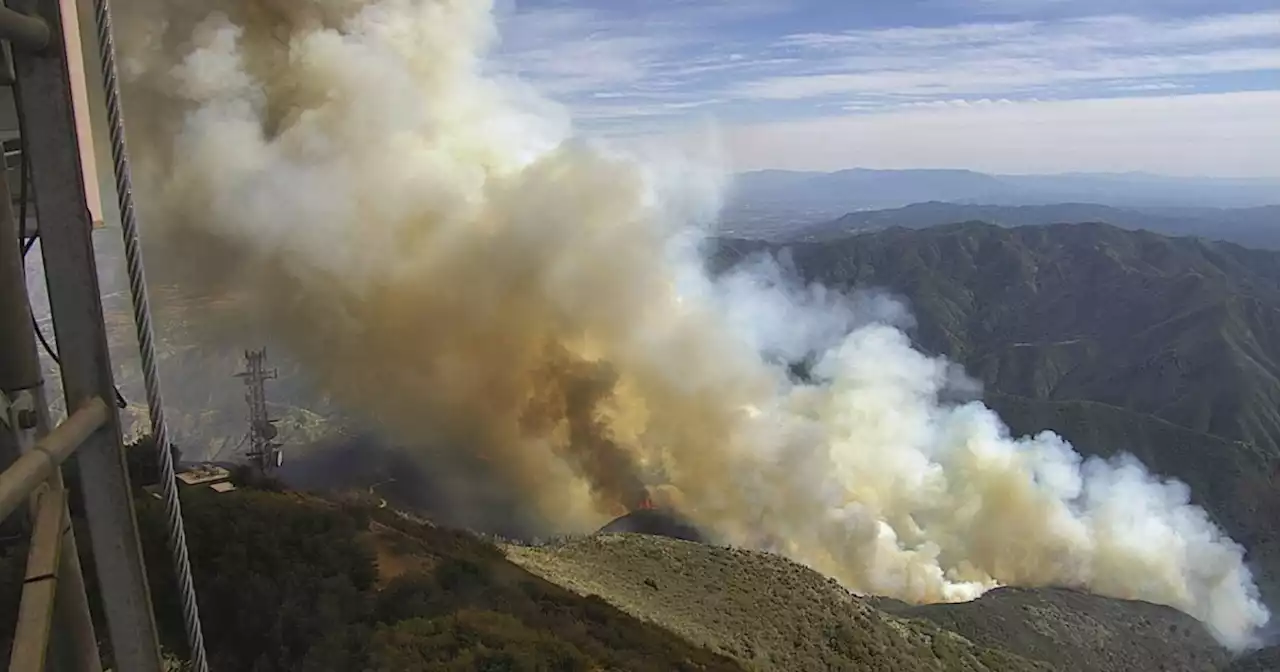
column 446, row 257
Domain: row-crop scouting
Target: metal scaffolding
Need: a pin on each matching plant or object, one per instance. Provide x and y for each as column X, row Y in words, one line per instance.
column 53, row 598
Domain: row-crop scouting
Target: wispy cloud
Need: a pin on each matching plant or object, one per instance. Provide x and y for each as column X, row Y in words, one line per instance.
column 1230, row 134
column 570, row 50
column 1019, row 57
column 631, row 68
column 1150, row 86
column 1076, row 8
column 1004, row 75
column 651, row 59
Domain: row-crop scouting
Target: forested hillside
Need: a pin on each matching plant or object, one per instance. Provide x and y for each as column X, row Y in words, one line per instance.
column 1257, row 227
column 289, row 581
column 1168, row 348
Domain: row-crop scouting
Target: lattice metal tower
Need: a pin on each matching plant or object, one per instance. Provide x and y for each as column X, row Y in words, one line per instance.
column 264, row 450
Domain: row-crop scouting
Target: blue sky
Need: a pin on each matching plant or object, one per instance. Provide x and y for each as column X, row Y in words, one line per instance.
column 1172, row 86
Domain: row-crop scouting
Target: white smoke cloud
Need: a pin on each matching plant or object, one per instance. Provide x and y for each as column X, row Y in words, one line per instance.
column 448, row 259
column 958, row 493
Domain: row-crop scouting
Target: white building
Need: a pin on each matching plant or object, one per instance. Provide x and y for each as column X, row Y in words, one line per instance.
column 217, row 479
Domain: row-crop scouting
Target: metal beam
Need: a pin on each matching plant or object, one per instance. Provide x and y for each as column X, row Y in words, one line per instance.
column 76, row 645
column 23, row 31
column 19, row 368
column 39, row 588
column 76, row 306
column 33, row 468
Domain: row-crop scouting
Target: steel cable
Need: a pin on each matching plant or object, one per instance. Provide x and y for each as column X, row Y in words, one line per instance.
column 142, row 319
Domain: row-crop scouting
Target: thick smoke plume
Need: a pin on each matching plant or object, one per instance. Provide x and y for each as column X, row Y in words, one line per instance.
column 448, row 259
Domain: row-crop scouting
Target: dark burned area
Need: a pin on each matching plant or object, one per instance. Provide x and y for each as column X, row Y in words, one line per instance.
column 467, row 495
column 450, row 488
column 655, row 522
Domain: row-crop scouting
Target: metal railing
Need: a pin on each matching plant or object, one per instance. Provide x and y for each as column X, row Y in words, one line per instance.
column 53, row 580
column 34, row 476
column 35, row 466
column 54, row 622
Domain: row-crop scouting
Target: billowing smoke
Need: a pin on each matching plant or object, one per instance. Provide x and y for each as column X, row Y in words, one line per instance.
column 450, row 261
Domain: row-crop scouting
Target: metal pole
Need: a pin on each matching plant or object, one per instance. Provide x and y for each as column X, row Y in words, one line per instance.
column 80, row 653
column 19, row 368
column 22, row 478
column 76, row 305
column 77, row 647
column 23, row 31
column 39, row 586
column 75, row 642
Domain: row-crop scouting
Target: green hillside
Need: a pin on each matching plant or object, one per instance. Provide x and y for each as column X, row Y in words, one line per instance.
column 1266, row 660
column 1186, row 330
column 1165, row 348
column 1232, row 479
column 1076, row 631
column 1257, row 227
column 289, row 582
column 294, row 582
column 773, row 614
column 762, row 609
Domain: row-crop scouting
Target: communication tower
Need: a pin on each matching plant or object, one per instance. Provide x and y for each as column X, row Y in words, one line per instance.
column 264, row 450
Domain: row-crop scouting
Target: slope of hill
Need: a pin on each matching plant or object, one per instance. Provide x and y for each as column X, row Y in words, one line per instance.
column 761, row 609
column 295, row 582
column 291, row 582
column 1234, row 480
column 1266, row 660
column 664, row 523
column 1175, row 342
column 775, row 615
column 1252, row 227
column 1178, row 328
column 452, row 488
column 1077, row 631
column 1146, row 189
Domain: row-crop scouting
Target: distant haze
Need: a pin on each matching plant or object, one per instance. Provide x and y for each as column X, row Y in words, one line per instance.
column 1257, row 227
column 860, row 189
column 1221, row 135
column 783, row 203
column 1186, row 87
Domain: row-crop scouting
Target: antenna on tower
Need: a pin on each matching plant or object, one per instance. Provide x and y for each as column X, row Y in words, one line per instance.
column 264, row 450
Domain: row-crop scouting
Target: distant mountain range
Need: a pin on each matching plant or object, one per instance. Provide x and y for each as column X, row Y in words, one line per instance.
column 1257, row 227
column 863, row 189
